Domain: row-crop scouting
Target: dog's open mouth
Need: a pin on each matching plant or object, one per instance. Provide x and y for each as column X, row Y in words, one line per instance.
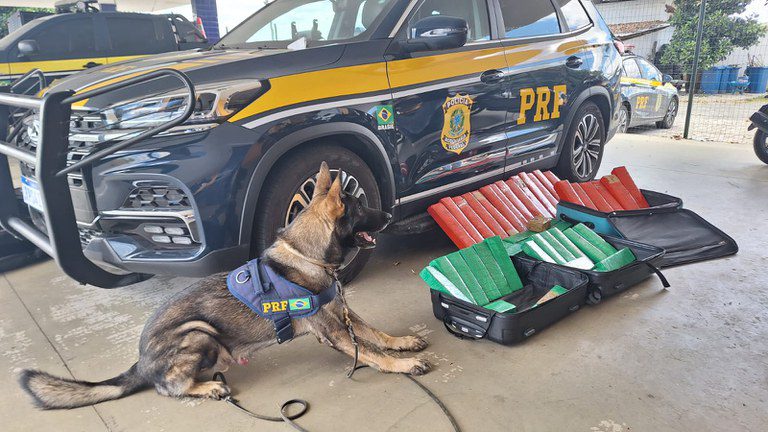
column 365, row 240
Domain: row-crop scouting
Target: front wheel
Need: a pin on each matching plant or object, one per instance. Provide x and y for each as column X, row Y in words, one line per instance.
column 583, row 146
column 669, row 118
column 623, row 119
column 761, row 146
column 290, row 188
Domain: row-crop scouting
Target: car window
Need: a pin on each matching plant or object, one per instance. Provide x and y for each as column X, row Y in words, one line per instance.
column 474, row 11
column 72, row 38
column 186, row 31
column 648, row 70
column 575, row 15
column 526, row 18
column 280, row 23
column 631, row 70
column 123, row 31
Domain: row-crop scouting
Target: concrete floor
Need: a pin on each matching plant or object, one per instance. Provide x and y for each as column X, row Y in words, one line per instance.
column 693, row 358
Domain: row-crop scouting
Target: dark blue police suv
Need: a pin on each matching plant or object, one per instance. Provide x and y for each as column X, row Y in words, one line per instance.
column 414, row 99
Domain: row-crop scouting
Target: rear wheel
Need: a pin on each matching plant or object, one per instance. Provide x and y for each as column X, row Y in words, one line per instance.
column 290, row 188
column 761, row 146
column 623, row 119
column 583, row 147
column 669, row 118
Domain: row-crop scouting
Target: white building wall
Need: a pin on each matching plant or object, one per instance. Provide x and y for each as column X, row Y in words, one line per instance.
column 644, row 45
column 741, row 57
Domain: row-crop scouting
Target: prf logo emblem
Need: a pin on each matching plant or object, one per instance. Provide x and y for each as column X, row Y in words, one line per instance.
column 293, row 305
column 541, row 98
column 457, row 128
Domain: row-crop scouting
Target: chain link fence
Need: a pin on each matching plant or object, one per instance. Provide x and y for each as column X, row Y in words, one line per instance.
column 732, row 75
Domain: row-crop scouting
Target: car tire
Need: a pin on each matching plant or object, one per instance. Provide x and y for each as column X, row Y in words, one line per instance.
column 669, row 118
column 583, row 146
column 290, row 185
column 761, row 146
column 624, row 119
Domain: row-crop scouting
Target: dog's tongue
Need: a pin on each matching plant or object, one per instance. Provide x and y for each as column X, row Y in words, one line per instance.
column 368, row 237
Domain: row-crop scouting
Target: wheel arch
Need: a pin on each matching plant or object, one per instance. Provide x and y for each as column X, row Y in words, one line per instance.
column 351, row 136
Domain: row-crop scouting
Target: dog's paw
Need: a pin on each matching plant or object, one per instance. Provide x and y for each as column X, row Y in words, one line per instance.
column 409, row 343
column 211, row 390
column 419, row 367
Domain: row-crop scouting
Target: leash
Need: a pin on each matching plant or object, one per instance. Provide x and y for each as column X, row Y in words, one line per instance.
column 289, row 419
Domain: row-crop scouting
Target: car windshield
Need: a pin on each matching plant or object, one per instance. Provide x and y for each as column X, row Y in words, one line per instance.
column 318, row 21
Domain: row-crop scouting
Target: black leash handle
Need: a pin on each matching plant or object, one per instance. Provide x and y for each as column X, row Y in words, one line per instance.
column 284, row 416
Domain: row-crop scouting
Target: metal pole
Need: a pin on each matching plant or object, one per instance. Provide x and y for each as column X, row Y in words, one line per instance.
column 692, row 89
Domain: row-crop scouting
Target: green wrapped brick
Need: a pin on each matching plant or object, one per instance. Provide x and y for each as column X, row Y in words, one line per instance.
column 568, row 244
column 483, row 276
column 505, row 263
column 533, row 250
column 446, row 268
column 595, row 239
column 616, row 261
column 500, row 306
column 476, row 291
column 438, row 282
column 544, row 245
column 513, row 248
column 559, row 247
column 492, row 267
column 590, row 250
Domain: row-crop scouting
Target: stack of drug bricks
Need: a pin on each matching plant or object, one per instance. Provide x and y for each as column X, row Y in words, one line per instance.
column 611, row 193
column 482, row 275
column 578, row 247
column 500, row 209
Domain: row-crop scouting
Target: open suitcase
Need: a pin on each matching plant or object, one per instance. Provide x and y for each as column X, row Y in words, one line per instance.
column 685, row 236
column 467, row 320
column 606, row 284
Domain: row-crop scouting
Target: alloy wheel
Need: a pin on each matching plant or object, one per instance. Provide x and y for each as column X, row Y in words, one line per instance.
column 586, row 145
column 623, row 120
column 306, row 191
column 671, row 112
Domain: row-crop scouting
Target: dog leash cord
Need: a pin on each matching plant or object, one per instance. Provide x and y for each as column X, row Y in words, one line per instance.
column 284, row 416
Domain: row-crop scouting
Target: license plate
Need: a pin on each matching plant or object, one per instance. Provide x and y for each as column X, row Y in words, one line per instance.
column 30, row 192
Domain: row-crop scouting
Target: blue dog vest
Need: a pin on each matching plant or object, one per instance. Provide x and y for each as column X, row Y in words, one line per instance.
column 274, row 297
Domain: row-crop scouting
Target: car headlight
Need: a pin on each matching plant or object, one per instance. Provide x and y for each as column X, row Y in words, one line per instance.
column 213, row 104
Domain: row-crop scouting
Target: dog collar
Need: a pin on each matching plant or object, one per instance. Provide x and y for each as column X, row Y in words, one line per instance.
column 274, row 297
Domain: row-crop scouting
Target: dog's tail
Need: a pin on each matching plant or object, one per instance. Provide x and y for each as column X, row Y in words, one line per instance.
column 51, row 392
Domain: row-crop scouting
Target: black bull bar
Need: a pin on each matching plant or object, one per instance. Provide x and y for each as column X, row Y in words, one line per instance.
column 62, row 240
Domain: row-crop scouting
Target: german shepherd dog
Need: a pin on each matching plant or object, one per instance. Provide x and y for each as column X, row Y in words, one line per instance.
column 204, row 328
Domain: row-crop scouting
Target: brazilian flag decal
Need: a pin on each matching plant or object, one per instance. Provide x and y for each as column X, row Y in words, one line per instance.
column 300, row 304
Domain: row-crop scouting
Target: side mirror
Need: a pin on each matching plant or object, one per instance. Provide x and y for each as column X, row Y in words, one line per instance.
column 28, row 48
column 437, row 33
column 667, row 78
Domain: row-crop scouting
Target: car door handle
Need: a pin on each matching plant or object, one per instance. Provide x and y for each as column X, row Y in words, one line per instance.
column 492, row 76
column 91, row 65
column 574, row 62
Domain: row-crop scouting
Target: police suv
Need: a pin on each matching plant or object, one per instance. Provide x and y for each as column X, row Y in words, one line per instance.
column 414, row 99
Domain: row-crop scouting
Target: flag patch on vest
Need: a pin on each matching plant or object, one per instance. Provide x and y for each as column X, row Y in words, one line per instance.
column 300, row 304
column 293, row 305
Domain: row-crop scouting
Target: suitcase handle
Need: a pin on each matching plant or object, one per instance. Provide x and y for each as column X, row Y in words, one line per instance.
column 661, row 276
column 451, row 326
column 569, row 219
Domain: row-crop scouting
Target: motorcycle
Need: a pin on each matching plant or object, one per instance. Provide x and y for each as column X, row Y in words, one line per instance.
column 760, row 122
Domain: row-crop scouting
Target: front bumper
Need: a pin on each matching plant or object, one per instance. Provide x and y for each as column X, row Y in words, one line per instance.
column 62, row 230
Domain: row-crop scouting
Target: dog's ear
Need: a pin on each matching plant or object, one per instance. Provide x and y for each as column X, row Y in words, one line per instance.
column 323, row 180
column 333, row 201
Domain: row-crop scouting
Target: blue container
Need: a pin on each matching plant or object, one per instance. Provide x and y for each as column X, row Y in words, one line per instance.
column 758, row 79
column 710, row 79
column 730, row 74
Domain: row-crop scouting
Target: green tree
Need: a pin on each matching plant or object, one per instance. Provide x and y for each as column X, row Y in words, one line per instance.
column 6, row 12
column 725, row 29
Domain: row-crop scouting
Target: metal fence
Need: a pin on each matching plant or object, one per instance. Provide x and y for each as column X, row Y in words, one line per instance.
column 727, row 79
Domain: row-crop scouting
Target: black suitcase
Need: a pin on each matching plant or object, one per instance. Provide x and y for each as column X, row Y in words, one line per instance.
column 685, row 236
column 467, row 320
column 606, row 284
